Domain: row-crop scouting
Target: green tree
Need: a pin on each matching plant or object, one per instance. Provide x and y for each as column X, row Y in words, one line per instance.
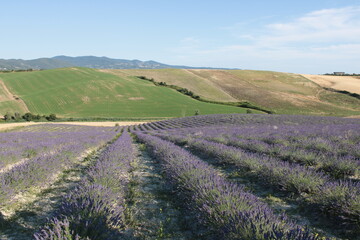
column 37, row 117
column 17, row 116
column 8, row 116
column 28, row 117
column 51, row 117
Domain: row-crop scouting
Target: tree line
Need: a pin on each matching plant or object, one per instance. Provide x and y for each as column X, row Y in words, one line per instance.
column 177, row 88
column 17, row 117
column 19, row 70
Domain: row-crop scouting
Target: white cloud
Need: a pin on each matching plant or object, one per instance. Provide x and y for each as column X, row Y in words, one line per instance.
column 316, row 42
column 319, row 27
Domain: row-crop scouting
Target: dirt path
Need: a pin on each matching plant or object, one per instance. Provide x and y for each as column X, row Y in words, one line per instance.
column 37, row 207
column 156, row 213
column 7, row 126
column 12, row 97
column 355, row 116
column 318, row 93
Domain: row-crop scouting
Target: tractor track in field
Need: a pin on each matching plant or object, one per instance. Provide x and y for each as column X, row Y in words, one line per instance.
column 37, row 207
column 213, row 84
column 156, row 211
column 12, row 97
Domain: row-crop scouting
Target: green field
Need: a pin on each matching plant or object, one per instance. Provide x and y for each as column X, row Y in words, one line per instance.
column 83, row 92
column 204, row 87
column 282, row 93
column 8, row 102
column 91, row 93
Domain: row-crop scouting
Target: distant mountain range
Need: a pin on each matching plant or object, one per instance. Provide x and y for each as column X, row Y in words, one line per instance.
column 85, row 61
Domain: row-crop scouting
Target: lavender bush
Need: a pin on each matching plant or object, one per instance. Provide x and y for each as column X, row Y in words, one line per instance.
column 58, row 230
column 224, row 205
column 334, row 151
column 95, row 208
column 288, row 177
column 42, row 168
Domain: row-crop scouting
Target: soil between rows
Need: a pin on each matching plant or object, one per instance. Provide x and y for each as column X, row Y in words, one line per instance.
column 41, row 204
column 280, row 202
column 158, row 211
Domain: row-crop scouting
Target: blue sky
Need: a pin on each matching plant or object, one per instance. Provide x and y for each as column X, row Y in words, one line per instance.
column 305, row 36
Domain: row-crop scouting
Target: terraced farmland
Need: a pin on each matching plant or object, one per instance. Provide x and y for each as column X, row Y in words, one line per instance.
column 231, row 176
column 82, row 92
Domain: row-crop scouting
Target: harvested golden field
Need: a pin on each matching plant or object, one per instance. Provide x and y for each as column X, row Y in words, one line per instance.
column 347, row 83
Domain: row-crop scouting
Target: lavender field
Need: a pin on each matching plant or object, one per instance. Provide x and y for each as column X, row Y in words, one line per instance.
column 234, row 176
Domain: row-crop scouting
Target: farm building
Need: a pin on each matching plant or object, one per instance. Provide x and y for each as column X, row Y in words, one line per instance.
column 339, row 73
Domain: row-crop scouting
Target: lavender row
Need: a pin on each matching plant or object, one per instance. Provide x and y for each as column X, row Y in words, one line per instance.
column 95, row 208
column 16, row 146
column 222, row 204
column 61, row 128
column 336, row 166
column 338, row 162
column 338, row 144
column 41, row 169
column 261, row 166
column 340, row 140
column 339, row 199
column 253, row 119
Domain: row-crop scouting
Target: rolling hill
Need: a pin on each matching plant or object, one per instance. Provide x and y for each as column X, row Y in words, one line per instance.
column 342, row 83
column 109, row 93
column 84, row 92
column 282, row 93
column 84, row 61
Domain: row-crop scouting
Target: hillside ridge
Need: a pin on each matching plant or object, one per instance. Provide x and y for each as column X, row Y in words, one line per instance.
column 88, row 93
column 283, row 93
column 88, row 62
column 109, row 93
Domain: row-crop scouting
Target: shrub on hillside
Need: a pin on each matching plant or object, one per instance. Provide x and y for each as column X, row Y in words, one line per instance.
column 51, row 117
column 16, row 117
column 12, row 116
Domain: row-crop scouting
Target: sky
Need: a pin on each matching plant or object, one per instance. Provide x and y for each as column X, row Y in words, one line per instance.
column 317, row 36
